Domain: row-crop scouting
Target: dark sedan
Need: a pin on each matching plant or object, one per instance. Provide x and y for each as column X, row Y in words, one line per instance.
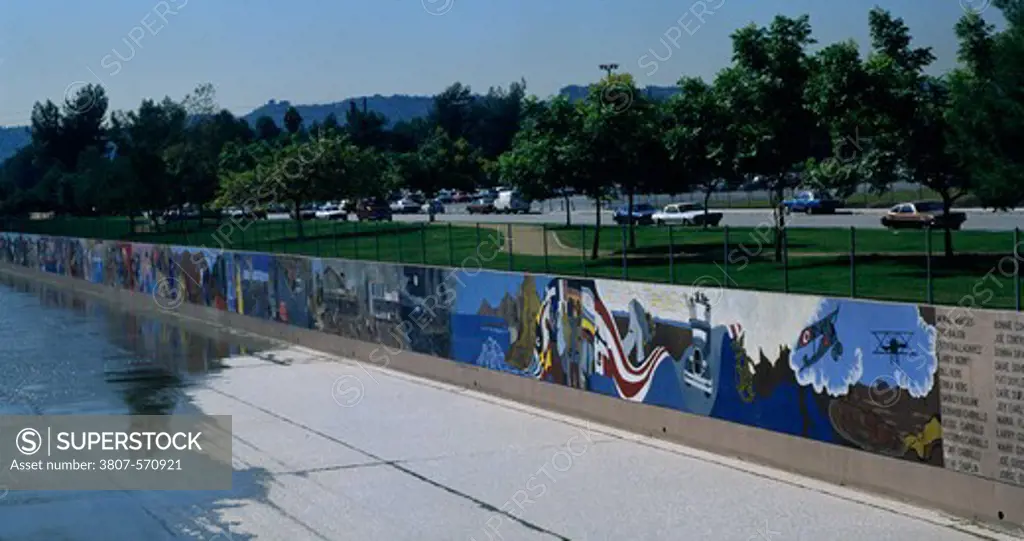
column 643, row 214
column 484, row 205
column 373, row 210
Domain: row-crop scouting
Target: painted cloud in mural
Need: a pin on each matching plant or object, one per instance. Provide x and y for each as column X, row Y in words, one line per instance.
column 749, row 310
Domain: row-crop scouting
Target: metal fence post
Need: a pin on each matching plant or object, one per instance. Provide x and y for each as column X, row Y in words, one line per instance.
column 671, row 256
column 547, row 263
column 355, row 240
column 508, row 243
column 583, row 248
column 451, row 248
column 725, row 257
column 398, row 237
column 376, row 241
column 334, row 233
column 478, row 235
column 423, row 242
column 853, row 262
column 928, row 263
column 1016, row 268
column 284, row 235
column 625, row 249
column 785, row 260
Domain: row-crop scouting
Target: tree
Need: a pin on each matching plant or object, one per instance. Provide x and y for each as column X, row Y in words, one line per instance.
column 407, row 136
column 987, row 111
column 292, row 120
column 930, row 160
column 453, row 111
column 701, row 139
column 909, row 112
column 440, row 163
column 366, row 129
column 496, row 118
column 266, row 129
column 536, row 162
column 620, row 128
column 330, row 124
column 143, row 138
column 194, row 161
column 766, row 86
column 303, row 171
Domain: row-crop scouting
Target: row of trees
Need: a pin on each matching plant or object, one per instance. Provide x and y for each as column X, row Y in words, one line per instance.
column 830, row 119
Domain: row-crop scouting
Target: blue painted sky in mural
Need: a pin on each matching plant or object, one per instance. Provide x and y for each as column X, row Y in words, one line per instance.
column 490, row 286
column 880, row 343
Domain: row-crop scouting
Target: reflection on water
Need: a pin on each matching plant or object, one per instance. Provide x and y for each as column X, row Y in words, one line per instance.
column 61, row 353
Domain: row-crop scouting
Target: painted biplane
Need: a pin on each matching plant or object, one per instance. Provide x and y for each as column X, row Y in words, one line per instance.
column 824, row 331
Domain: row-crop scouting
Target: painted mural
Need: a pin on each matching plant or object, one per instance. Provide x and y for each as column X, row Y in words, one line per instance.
column 290, row 281
column 854, row 373
column 202, row 274
column 250, row 281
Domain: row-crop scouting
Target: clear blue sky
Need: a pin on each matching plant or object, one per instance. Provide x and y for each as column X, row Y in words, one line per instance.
column 316, row 51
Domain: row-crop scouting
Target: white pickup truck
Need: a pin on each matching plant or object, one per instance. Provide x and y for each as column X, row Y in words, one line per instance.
column 686, row 214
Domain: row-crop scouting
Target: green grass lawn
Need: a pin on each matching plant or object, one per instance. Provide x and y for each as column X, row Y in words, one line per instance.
column 712, row 241
column 889, row 266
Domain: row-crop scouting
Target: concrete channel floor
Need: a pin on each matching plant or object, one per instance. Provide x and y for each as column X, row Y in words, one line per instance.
column 329, row 449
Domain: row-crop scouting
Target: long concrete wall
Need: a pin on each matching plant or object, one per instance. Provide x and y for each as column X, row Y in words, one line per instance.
column 921, row 402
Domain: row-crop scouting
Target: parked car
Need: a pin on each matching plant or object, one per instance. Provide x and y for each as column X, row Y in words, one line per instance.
column 462, row 197
column 484, row 205
column 332, row 212
column 406, row 205
column 643, row 213
column 922, row 214
column 686, row 214
column 248, row 214
column 811, row 203
column 373, row 210
column 306, row 212
column 510, row 201
column 438, row 207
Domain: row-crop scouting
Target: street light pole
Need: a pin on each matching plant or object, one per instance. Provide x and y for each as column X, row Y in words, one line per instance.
column 609, row 68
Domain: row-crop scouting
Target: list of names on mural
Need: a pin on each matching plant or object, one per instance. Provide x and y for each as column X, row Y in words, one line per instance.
column 966, row 430
column 1008, row 357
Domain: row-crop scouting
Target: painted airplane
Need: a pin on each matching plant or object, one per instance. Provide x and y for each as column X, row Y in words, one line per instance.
column 825, row 329
column 895, row 344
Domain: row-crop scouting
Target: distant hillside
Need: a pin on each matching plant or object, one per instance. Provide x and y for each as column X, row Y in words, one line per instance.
column 396, row 108
column 11, row 139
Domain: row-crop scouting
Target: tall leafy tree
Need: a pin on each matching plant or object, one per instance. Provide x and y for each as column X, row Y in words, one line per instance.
column 496, row 118
column 620, row 128
column 441, row 163
column 453, row 111
column 910, row 112
column 266, row 129
column 537, row 162
column 143, row 137
column 292, row 120
column 300, row 172
column 767, row 86
column 701, row 138
column 987, row 111
column 366, row 129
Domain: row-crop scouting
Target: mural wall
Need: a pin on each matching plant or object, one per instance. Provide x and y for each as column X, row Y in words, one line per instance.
column 929, row 385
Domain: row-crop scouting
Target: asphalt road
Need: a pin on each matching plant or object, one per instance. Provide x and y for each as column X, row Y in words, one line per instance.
column 977, row 219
